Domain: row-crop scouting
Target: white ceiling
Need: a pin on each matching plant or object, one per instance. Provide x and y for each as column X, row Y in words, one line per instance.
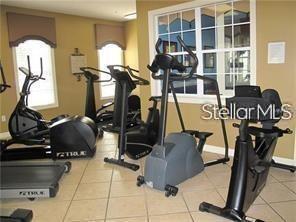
column 104, row 9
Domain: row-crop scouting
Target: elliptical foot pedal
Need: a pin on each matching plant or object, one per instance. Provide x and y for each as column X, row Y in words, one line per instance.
column 140, row 181
column 122, row 163
column 171, row 190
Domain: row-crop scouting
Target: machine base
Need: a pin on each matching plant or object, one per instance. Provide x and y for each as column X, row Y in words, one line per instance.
column 227, row 213
column 122, row 163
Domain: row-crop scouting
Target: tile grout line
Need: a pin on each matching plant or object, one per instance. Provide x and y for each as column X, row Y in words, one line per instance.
column 288, row 187
column 276, row 212
column 109, row 195
column 146, row 204
column 64, row 218
column 187, row 206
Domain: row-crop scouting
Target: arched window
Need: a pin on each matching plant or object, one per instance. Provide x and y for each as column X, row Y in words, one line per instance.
column 110, row 54
column 43, row 94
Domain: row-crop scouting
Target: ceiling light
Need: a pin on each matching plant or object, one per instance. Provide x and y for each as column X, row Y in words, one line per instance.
column 131, row 16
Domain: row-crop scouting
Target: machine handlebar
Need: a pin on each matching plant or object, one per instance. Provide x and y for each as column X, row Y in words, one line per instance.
column 3, row 85
column 91, row 70
column 138, row 80
column 175, row 63
column 30, row 74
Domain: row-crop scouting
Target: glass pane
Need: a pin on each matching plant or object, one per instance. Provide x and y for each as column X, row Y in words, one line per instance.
column 241, row 79
column 208, row 17
column 242, row 61
column 179, row 86
column 164, row 47
column 208, row 39
column 163, row 22
column 191, row 86
column 229, row 81
column 188, row 20
column 209, row 87
column 180, row 59
column 224, row 62
column 42, row 92
column 228, row 62
column 209, row 63
column 188, row 61
column 224, row 14
column 189, row 39
column 242, row 35
column 241, row 11
column 175, row 22
column 224, row 37
column 174, row 44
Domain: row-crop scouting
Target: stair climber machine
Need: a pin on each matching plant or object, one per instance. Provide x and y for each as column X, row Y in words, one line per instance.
column 109, row 120
column 177, row 156
column 27, row 180
column 128, row 82
column 103, row 117
column 142, row 135
column 254, row 149
column 133, row 108
column 60, row 138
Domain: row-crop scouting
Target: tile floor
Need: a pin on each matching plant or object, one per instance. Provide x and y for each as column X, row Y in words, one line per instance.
column 94, row 191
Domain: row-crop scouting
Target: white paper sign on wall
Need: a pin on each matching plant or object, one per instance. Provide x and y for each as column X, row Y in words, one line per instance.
column 77, row 61
column 276, row 52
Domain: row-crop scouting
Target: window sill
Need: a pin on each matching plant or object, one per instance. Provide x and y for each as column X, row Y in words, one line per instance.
column 107, row 98
column 195, row 99
column 44, row 107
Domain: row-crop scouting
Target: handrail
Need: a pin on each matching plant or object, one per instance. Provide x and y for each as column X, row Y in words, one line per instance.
column 88, row 68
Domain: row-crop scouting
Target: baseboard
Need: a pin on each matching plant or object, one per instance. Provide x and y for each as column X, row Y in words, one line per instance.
column 221, row 150
column 218, row 150
column 4, row 135
column 285, row 161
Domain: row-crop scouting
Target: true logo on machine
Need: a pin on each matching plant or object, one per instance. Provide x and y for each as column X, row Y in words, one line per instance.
column 31, row 193
column 71, row 154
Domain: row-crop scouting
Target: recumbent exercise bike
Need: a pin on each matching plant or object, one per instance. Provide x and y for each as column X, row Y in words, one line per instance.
column 252, row 157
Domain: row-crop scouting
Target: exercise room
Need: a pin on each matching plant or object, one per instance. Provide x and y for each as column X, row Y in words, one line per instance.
column 147, row 111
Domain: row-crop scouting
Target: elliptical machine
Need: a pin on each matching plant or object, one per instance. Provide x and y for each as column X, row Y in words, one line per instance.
column 24, row 121
column 177, row 156
column 252, row 158
column 61, row 138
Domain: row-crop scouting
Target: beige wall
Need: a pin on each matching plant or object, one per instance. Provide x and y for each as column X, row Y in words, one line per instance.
column 131, row 52
column 281, row 77
column 131, row 40
column 72, row 32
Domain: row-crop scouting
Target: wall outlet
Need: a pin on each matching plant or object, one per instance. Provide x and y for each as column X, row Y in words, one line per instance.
column 3, row 118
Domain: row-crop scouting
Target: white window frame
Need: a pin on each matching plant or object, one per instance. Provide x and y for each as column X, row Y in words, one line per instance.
column 153, row 35
column 112, row 81
column 18, row 90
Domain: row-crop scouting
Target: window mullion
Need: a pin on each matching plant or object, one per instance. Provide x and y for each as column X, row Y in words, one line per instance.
column 199, row 54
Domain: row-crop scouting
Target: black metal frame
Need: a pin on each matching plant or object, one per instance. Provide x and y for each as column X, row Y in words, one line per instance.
column 168, row 78
column 90, row 103
column 252, row 158
column 3, row 85
column 127, row 85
